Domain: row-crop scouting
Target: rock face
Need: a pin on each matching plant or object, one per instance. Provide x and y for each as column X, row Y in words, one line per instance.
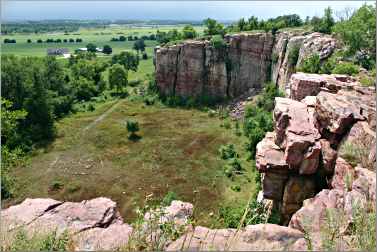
column 196, row 68
column 92, row 224
column 252, row 238
column 324, row 118
column 303, row 45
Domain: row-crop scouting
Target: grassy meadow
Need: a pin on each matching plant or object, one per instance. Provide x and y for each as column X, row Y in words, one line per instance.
column 177, row 152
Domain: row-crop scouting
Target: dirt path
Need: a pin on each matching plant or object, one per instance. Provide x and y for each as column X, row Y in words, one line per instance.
column 101, row 117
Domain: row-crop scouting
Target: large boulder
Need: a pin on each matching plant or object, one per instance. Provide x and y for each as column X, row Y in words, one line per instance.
column 79, row 216
column 26, row 212
column 296, row 134
column 251, row 238
column 269, row 156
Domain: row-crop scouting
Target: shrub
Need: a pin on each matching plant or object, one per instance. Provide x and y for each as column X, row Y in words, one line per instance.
column 144, row 56
column 132, row 128
column 328, row 66
column 134, row 83
column 56, row 185
column 233, row 167
column 150, row 100
column 346, row 68
column 293, row 55
column 367, row 82
column 218, row 42
column 168, row 198
column 22, row 241
column 236, row 188
column 311, row 65
column 228, row 151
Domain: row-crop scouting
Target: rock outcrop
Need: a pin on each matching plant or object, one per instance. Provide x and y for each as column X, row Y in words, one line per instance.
column 289, row 44
column 91, row 224
column 197, row 68
column 300, row 158
column 259, row 237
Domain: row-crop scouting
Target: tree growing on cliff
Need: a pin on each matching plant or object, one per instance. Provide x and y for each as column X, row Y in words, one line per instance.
column 359, row 32
column 213, row 27
column 188, row 32
column 325, row 23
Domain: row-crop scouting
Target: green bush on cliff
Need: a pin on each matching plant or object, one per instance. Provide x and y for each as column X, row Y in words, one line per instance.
column 346, row 68
column 293, row 55
column 311, row 65
column 218, row 42
column 258, row 118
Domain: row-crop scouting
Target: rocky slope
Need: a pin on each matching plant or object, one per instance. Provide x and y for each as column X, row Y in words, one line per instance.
column 323, row 114
column 197, row 68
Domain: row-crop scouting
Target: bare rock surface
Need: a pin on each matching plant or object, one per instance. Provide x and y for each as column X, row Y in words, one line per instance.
column 269, row 156
column 296, row 134
column 196, row 68
column 251, row 238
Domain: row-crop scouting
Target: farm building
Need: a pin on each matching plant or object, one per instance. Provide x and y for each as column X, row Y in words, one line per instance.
column 57, row 51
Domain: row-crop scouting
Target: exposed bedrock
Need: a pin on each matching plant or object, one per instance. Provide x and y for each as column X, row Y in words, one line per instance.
column 196, row 68
column 321, row 133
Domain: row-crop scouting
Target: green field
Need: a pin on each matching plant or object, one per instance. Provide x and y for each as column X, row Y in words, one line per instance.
column 98, row 36
column 177, row 151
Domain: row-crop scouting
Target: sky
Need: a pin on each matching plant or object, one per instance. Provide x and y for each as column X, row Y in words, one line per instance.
column 171, row 10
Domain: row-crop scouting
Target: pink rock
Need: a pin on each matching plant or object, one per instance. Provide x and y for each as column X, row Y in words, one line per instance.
column 112, row 238
column 196, row 68
column 329, row 156
column 311, row 216
column 269, row 156
column 365, row 183
column 75, row 217
column 343, row 175
column 335, row 113
column 295, row 132
column 360, row 138
column 303, row 84
column 26, row 212
column 252, row 238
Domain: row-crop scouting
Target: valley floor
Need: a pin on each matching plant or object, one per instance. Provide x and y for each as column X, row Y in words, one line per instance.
column 177, row 152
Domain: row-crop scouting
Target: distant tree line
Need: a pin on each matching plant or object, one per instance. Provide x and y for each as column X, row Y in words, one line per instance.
column 133, row 38
column 36, row 27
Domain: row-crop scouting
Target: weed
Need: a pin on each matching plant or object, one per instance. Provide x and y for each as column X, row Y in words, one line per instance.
column 228, row 151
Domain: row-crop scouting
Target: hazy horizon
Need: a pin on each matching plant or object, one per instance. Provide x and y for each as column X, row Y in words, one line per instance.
column 164, row 10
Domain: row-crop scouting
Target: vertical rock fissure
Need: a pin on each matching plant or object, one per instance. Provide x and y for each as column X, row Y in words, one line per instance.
column 176, row 70
column 228, row 71
column 205, row 71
